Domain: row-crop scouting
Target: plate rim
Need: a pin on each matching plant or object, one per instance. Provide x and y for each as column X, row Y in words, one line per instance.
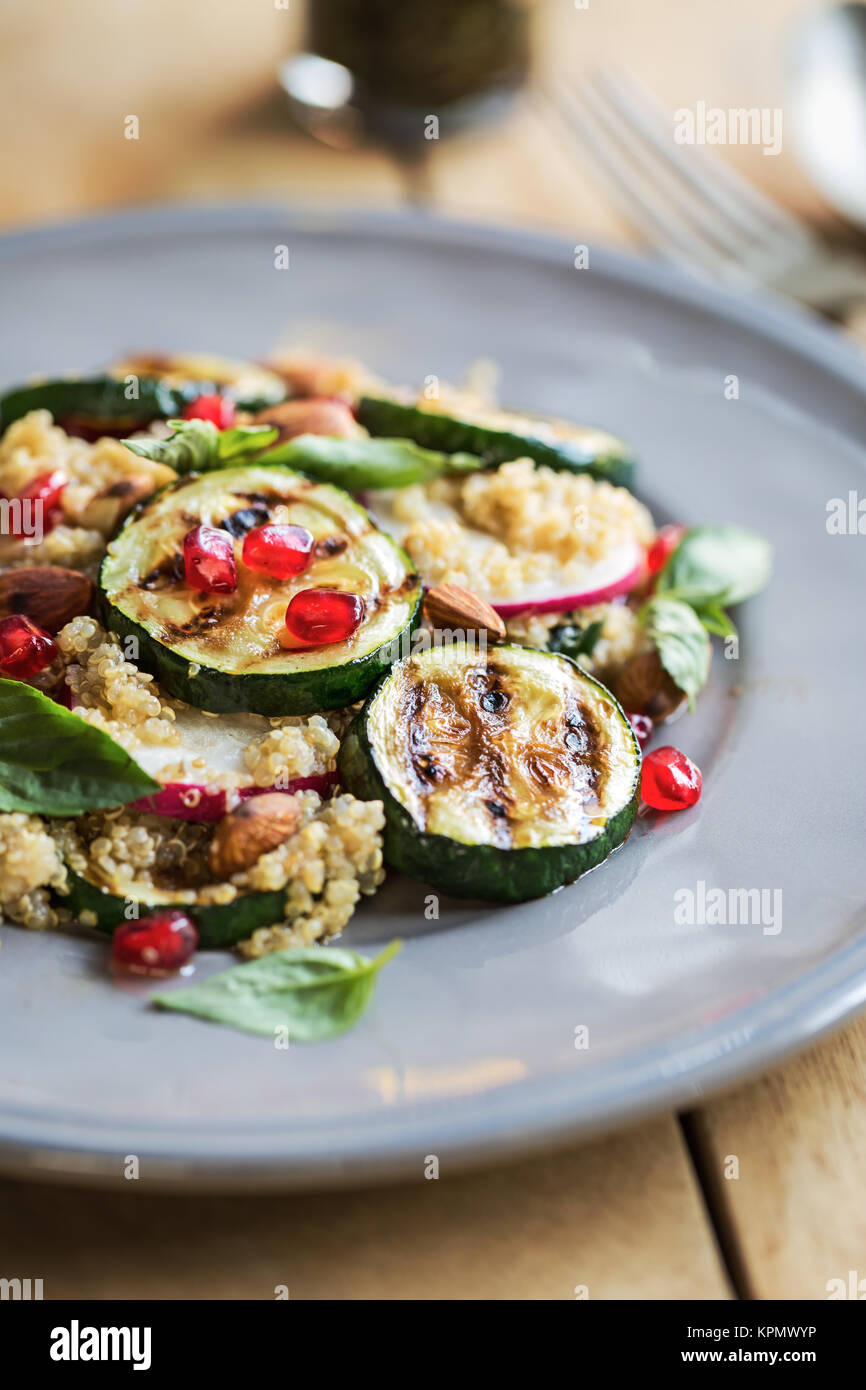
column 548, row 1113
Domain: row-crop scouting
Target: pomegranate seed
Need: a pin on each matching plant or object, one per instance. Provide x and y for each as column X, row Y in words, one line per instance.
column 320, row 616
column 209, row 560
column 643, row 727
column 218, row 409
column 280, row 551
column 663, row 547
column 155, row 945
column 25, row 648
column 670, row 780
column 44, row 493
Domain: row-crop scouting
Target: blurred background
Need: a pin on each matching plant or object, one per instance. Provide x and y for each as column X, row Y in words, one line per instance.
column 202, row 78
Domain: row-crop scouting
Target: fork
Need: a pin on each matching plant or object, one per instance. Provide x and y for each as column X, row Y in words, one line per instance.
column 692, row 208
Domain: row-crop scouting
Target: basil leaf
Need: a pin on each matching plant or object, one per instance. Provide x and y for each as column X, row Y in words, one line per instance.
column 359, row 464
column 311, row 992
column 575, row 641
column 680, row 640
column 718, row 565
column 53, row 763
column 192, row 448
column 197, row 445
column 237, row 443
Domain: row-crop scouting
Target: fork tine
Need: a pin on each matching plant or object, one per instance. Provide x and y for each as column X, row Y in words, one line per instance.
column 615, row 164
column 717, row 184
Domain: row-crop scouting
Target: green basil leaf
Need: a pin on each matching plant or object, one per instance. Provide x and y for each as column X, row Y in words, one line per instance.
column 718, row 565
column 575, row 641
column 715, row 619
column 237, row 443
column 359, row 464
column 53, row 763
column 310, row 992
column 680, row 640
column 194, row 446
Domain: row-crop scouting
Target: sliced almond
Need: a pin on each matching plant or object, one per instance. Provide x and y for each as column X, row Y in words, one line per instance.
column 48, row 594
column 452, row 607
column 257, row 826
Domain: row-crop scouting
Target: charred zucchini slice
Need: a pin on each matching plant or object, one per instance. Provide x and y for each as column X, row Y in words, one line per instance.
column 505, row 436
column 504, row 773
column 231, row 651
column 219, row 924
column 163, row 385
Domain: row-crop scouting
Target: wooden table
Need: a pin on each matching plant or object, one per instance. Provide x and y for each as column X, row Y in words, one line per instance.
column 649, row 1213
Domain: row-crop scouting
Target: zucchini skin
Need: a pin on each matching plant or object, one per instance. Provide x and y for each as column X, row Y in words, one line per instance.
column 450, row 435
column 466, row 870
column 301, row 692
column 97, row 399
column 219, row 924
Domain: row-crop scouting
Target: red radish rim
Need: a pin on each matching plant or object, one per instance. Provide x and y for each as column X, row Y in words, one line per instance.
column 563, row 603
column 173, row 800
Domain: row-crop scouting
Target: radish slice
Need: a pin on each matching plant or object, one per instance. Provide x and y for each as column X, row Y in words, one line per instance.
column 616, row 573
column 191, row 801
column 210, row 745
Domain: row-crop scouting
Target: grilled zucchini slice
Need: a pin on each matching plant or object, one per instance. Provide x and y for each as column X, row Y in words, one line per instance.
column 505, row 436
column 504, row 773
column 229, row 651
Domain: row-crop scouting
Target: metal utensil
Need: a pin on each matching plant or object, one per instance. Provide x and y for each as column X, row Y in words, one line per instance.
column 693, row 208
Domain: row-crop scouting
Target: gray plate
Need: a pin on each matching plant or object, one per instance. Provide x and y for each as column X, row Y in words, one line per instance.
column 469, row 1050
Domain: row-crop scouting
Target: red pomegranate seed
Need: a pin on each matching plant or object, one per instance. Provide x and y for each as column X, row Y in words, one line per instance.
column 670, row 780
column 209, row 560
column 25, row 648
column 218, row 409
column 642, row 725
column 44, row 493
column 663, row 547
column 320, row 616
column 155, row 945
column 280, row 551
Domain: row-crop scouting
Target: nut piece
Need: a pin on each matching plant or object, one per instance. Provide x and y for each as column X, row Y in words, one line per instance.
column 107, row 509
column 450, row 606
column 643, row 686
column 47, row 594
column 257, row 826
column 316, row 416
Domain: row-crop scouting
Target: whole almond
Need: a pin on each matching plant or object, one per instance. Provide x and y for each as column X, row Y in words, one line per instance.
column 48, row 594
column 257, row 826
column 315, row 416
column 450, row 606
column 643, row 686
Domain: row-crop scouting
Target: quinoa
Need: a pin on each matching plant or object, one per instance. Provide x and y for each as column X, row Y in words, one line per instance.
column 35, row 445
column 295, row 748
column 110, row 691
column 29, row 866
column 543, row 524
column 333, row 858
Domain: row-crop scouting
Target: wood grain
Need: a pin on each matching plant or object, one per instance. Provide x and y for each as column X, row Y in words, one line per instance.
column 795, row 1218
column 622, row 1217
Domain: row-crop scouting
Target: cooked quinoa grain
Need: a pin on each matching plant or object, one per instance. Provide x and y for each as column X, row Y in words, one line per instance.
column 543, row 524
column 29, row 866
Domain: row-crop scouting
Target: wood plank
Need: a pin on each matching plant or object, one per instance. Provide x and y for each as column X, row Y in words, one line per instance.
column 796, row 1216
column 622, row 1216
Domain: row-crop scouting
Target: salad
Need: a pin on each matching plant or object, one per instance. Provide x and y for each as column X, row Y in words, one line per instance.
column 270, row 632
